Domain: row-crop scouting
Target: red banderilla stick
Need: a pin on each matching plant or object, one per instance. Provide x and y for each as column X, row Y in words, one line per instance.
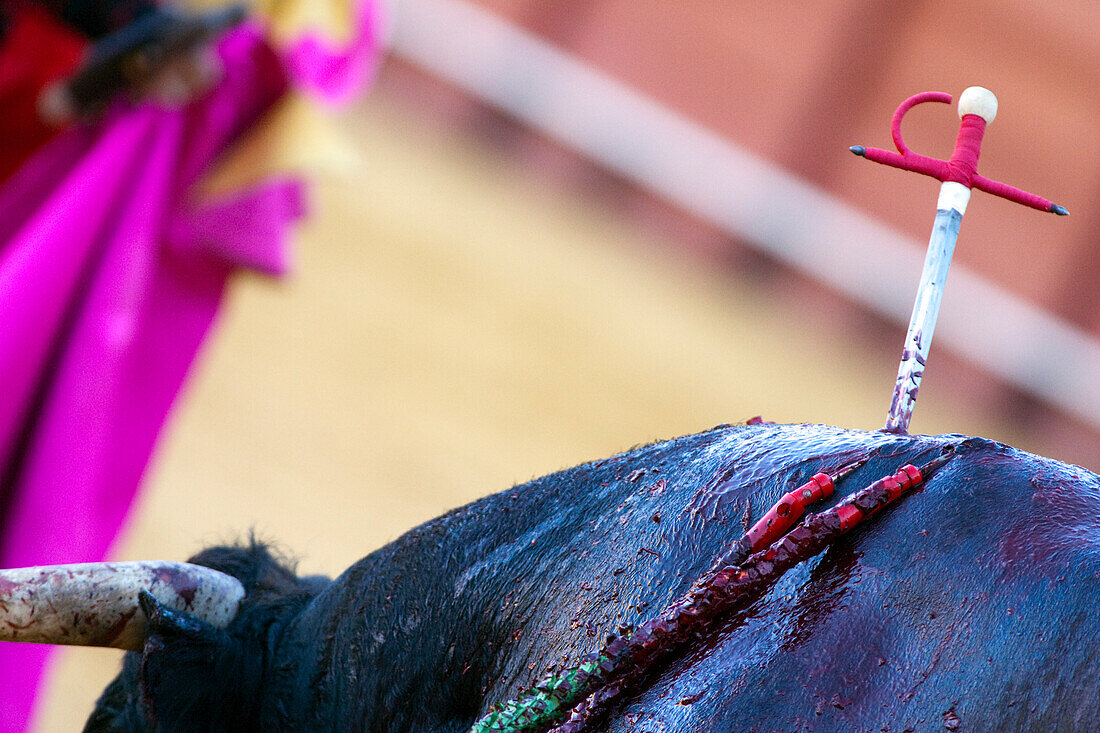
column 792, row 505
column 895, row 485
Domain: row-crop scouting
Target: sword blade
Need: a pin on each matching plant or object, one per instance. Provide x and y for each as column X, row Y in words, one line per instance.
column 922, row 324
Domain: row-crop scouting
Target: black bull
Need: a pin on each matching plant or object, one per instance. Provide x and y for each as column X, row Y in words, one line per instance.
column 969, row 604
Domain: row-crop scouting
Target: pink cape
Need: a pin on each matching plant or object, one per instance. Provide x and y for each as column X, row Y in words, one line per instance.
column 110, row 278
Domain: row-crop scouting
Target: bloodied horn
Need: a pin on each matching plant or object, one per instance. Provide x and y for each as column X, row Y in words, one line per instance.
column 96, row 604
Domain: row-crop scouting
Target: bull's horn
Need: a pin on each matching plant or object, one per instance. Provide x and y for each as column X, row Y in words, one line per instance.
column 96, row 604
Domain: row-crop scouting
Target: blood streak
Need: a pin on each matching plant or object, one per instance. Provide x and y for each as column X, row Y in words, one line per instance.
column 116, row 628
column 180, row 582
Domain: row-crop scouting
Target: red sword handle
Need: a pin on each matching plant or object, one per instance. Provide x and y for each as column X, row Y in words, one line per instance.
column 962, row 167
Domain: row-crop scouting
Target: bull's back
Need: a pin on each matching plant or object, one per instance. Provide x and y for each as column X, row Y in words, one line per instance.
column 970, row 605
column 970, row 599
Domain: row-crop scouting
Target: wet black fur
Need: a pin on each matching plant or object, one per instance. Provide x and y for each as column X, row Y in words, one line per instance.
column 214, row 683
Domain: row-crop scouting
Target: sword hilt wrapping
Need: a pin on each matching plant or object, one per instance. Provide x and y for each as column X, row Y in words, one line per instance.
column 963, row 164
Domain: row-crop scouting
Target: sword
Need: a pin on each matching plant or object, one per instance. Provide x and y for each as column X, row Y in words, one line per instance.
column 959, row 174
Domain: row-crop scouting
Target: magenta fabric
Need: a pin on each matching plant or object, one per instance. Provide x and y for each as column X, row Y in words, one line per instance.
column 333, row 73
column 110, row 278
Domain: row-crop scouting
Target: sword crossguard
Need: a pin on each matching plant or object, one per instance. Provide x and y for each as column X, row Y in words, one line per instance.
column 977, row 108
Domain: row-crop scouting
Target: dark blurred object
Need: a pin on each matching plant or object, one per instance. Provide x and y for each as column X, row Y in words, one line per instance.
column 97, row 18
column 92, row 19
column 105, row 49
column 36, row 49
column 128, row 60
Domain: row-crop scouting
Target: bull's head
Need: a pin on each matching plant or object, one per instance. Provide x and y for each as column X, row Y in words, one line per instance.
column 197, row 628
column 122, row 605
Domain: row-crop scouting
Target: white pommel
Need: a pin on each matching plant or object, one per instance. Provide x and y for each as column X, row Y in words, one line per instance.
column 978, row 101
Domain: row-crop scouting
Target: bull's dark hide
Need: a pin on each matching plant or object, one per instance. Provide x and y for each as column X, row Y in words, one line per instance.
column 971, row 603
